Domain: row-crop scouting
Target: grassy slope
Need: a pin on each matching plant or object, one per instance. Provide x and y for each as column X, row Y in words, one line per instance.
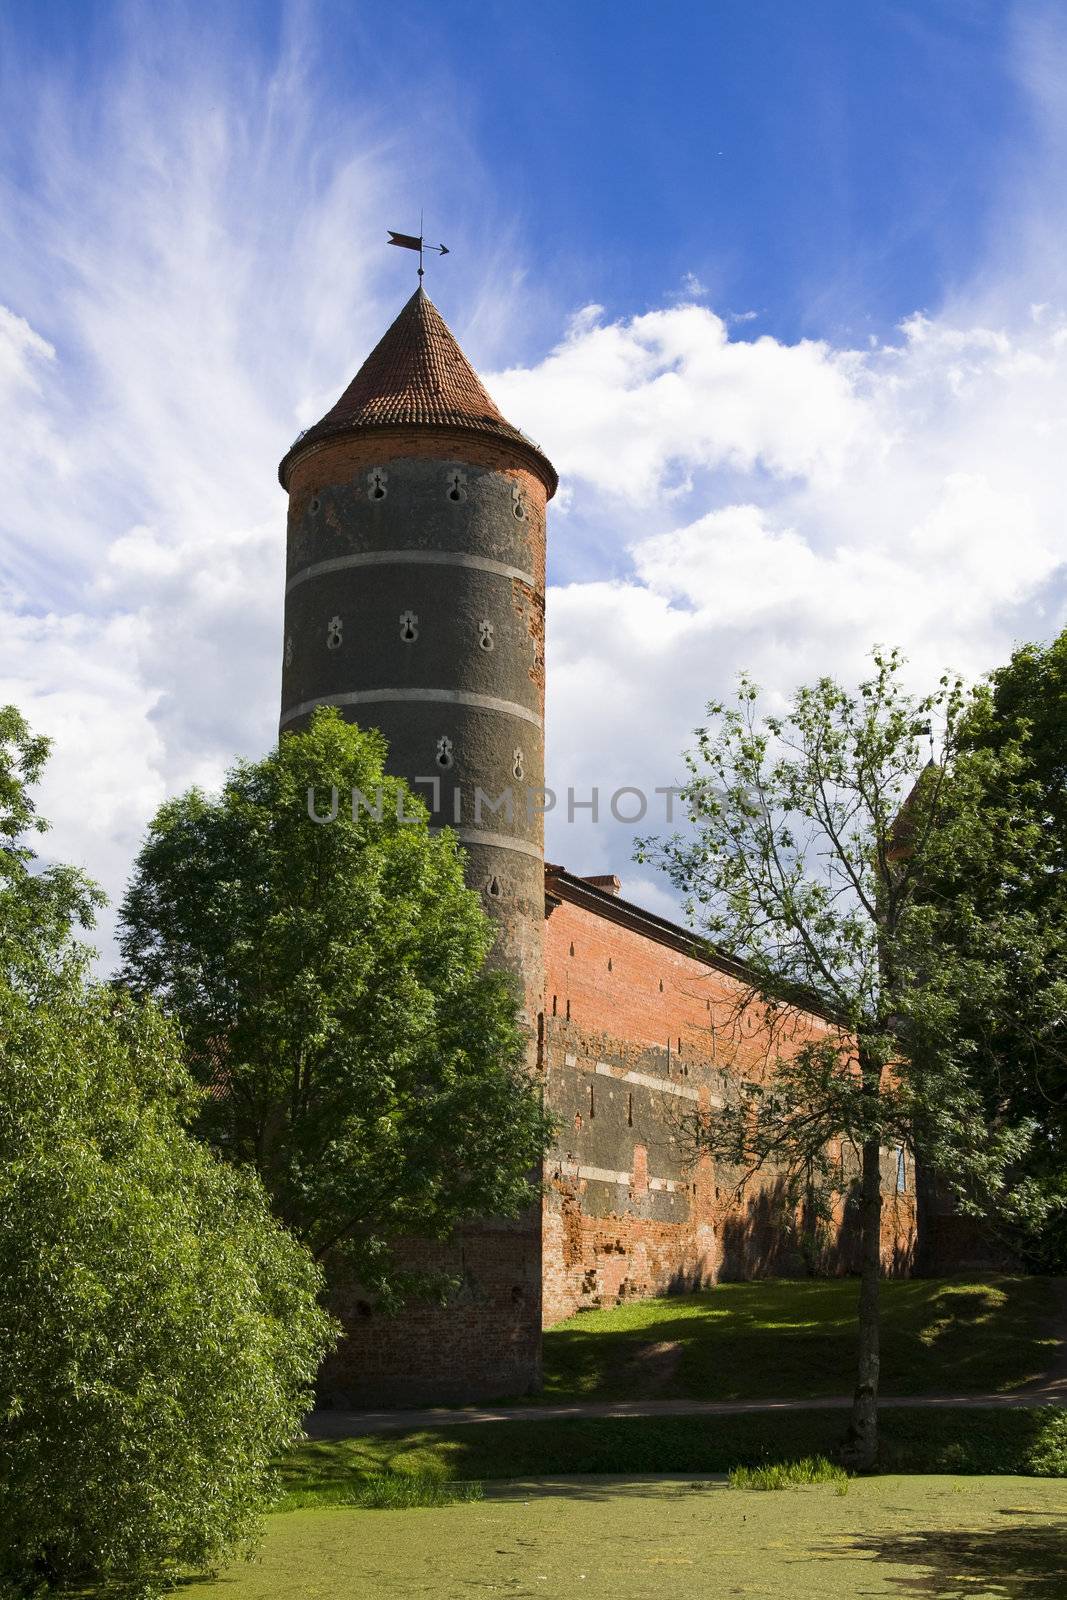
column 1028, row 1441
column 780, row 1339
column 922, row 1536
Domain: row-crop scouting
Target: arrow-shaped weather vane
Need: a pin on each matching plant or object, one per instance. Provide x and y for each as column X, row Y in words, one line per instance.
column 408, row 241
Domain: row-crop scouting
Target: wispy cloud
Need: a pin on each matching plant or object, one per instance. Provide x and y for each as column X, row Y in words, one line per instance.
column 184, row 287
column 189, row 278
column 691, row 289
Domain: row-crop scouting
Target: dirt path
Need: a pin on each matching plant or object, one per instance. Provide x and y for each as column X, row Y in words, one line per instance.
column 351, row 1424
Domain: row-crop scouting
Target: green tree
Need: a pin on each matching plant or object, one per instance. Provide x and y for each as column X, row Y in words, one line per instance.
column 39, row 907
column 159, row 1331
column 331, row 983
column 811, row 841
column 1012, row 740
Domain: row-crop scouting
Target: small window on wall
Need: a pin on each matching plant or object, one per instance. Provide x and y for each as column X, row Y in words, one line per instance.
column 629, row 1110
column 902, row 1171
column 592, row 1102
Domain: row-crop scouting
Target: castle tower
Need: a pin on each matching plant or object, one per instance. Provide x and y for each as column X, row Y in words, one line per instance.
column 415, row 602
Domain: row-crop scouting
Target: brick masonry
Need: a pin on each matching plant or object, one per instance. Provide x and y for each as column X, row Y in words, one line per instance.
column 639, row 1034
column 415, row 499
column 638, row 1031
column 485, row 1342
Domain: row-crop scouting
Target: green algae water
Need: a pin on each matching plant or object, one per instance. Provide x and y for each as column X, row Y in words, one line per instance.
column 996, row 1538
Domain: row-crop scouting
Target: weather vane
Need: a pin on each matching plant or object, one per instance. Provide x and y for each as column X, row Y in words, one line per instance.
column 409, row 241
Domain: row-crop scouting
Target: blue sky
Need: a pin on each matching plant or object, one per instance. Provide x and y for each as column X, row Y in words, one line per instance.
column 778, row 285
column 836, row 166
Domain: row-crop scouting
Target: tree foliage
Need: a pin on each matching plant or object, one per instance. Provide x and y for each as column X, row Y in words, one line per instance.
column 39, row 907
column 1012, row 743
column 816, row 838
column 159, row 1331
column 331, row 984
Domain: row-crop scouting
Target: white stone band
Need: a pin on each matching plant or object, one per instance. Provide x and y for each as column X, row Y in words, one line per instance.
column 453, row 697
column 574, row 1169
column 429, row 558
column 498, row 841
column 648, row 1081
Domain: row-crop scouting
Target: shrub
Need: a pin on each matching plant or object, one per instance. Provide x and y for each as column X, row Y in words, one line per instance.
column 159, row 1332
column 1047, row 1456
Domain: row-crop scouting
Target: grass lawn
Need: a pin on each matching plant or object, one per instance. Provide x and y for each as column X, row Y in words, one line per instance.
column 778, row 1339
column 331, row 1472
column 601, row 1540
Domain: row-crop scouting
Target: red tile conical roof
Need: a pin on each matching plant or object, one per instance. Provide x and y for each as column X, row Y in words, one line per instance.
column 417, row 375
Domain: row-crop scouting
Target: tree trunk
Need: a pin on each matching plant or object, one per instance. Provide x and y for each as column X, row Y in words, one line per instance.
column 860, row 1451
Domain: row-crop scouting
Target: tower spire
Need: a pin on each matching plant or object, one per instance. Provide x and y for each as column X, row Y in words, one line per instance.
column 417, row 375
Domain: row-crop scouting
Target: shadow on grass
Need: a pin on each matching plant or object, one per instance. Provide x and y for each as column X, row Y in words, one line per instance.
column 797, row 1339
column 1020, row 1562
column 950, row 1439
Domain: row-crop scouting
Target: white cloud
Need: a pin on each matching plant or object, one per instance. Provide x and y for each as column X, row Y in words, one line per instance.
column 914, row 498
column 176, row 285
column 691, row 289
column 634, row 407
column 189, row 278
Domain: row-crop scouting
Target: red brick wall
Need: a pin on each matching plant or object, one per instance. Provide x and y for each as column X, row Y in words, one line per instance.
column 613, row 979
column 639, row 1036
column 485, row 1343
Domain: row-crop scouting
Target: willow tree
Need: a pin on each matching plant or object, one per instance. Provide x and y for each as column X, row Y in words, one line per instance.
column 814, row 838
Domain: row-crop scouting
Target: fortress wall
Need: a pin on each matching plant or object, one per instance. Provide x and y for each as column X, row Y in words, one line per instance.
column 639, row 1036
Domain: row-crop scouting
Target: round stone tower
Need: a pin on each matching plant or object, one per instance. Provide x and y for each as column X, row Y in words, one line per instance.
column 415, row 602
